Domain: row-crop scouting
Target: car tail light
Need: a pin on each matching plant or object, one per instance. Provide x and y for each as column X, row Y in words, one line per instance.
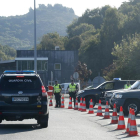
column 40, row 112
column 44, row 92
column 0, row 113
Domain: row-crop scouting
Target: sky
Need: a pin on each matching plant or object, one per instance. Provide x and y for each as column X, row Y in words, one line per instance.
column 21, row 7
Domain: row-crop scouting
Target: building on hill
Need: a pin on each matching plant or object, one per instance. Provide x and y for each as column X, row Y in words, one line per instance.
column 60, row 63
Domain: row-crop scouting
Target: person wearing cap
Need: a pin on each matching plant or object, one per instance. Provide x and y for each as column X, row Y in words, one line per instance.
column 72, row 88
column 57, row 92
column 127, row 85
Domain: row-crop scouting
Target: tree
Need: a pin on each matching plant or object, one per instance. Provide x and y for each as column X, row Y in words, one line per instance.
column 83, row 72
column 51, row 40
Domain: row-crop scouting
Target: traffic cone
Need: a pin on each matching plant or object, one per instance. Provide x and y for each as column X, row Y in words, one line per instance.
column 133, row 126
column 51, row 103
column 129, row 120
column 91, row 107
column 114, row 115
column 62, row 101
column 70, row 104
column 121, row 122
column 76, row 104
column 80, row 108
column 84, row 106
column 99, row 111
column 107, row 115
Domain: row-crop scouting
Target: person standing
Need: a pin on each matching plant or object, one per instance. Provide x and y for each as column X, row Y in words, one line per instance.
column 72, row 88
column 127, row 85
column 57, row 92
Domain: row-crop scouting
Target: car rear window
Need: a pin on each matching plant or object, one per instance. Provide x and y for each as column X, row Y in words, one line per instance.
column 20, row 83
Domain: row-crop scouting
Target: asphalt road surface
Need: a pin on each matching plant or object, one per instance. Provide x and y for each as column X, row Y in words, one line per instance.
column 65, row 124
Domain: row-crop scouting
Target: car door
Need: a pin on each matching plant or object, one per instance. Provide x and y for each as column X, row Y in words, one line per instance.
column 106, row 87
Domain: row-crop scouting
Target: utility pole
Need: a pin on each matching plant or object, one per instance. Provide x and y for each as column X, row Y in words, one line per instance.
column 35, row 51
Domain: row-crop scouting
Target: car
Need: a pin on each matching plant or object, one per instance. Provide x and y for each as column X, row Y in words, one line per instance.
column 65, row 86
column 23, row 96
column 127, row 99
column 108, row 94
column 98, row 93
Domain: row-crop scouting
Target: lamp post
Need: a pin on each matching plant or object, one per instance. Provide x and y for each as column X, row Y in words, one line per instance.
column 35, row 51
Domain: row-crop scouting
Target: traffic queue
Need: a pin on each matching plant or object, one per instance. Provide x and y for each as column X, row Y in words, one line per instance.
column 117, row 97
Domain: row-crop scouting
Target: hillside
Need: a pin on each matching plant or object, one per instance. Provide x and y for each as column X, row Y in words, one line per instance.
column 18, row 31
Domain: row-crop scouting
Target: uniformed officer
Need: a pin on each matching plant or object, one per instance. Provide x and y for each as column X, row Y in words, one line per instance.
column 57, row 92
column 72, row 88
column 127, row 85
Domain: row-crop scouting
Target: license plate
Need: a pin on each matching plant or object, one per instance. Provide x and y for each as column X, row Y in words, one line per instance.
column 20, row 99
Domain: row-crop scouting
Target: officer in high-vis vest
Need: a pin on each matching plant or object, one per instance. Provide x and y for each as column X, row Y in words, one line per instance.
column 127, row 85
column 57, row 92
column 72, row 88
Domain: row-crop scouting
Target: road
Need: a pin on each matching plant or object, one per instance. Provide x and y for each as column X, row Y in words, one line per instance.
column 65, row 124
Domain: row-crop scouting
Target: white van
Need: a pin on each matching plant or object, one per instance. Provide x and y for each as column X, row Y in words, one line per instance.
column 65, row 86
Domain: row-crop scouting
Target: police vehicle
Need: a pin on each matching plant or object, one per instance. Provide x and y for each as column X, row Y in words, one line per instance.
column 98, row 93
column 127, row 99
column 23, row 96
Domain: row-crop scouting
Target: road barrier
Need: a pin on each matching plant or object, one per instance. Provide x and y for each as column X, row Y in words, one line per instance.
column 70, row 104
column 76, row 104
column 121, row 122
column 62, row 101
column 99, row 111
column 91, row 107
column 80, row 108
column 114, row 115
column 129, row 120
column 133, row 126
column 84, row 106
column 107, row 115
column 51, row 103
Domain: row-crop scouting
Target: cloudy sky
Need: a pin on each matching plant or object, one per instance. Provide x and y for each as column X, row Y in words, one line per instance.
column 20, row 7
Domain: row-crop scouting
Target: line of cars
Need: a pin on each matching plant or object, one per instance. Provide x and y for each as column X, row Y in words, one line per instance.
column 114, row 92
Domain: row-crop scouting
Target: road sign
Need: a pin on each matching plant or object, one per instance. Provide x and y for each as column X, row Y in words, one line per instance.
column 75, row 75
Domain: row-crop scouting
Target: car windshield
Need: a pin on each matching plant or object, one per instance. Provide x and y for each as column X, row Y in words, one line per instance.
column 14, row 83
column 136, row 85
column 90, row 87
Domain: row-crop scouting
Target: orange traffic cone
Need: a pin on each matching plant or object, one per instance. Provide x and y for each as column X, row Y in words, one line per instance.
column 107, row 115
column 129, row 120
column 84, row 106
column 76, row 104
column 70, row 104
column 62, row 101
column 99, row 111
column 121, row 122
column 133, row 126
column 114, row 115
column 51, row 103
column 91, row 107
column 80, row 108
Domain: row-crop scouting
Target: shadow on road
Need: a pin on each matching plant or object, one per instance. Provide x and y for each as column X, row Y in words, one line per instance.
column 16, row 128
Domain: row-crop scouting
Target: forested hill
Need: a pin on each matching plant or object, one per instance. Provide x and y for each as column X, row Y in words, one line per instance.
column 18, row 31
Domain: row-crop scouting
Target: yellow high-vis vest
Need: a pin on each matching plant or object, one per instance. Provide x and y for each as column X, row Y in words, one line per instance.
column 56, row 88
column 72, row 88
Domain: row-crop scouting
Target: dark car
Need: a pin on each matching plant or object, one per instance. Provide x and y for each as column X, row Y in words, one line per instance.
column 23, row 96
column 98, row 93
column 127, row 99
column 108, row 94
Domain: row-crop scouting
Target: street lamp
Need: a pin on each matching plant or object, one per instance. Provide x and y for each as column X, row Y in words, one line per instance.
column 35, row 51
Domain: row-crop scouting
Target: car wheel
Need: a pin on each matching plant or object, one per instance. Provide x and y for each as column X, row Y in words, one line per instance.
column 43, row 121
column 44, row 125
column 88, row 101
column 131, row 104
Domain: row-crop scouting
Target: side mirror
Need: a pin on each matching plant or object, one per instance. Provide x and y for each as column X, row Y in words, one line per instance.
column 100, row 87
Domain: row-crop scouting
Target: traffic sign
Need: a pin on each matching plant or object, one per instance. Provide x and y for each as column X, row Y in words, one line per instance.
column 75, row 75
